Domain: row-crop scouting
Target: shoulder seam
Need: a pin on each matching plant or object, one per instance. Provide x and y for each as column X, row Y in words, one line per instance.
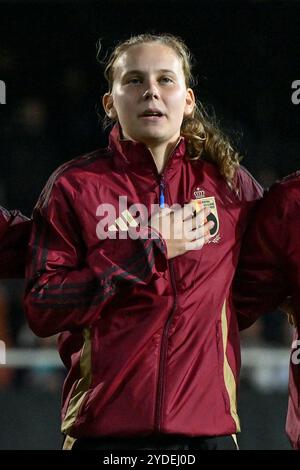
column 77, row 162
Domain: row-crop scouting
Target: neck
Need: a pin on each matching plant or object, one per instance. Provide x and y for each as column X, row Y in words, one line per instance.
column 160, row 151
column 161, row 154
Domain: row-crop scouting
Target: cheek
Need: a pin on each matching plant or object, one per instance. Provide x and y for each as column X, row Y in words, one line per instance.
column 122, row 103
column 177, row 100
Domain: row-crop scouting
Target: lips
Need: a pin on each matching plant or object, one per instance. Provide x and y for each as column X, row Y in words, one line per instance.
column 156, row 113
column 152, row 116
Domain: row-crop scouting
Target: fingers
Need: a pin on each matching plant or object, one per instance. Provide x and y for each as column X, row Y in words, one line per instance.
column 157, row 214
column 160, row 219
column 201, row 216
column 194, row 222
column 188, row 225
column 197, row 244
column 194, row 208
column 200, row 232
column 165, row 211
column 196, row 214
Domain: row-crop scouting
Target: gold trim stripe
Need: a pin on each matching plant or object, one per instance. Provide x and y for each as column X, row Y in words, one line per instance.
column 68, row 443
column 228, row 374
column 235, row 441
column 82, row 386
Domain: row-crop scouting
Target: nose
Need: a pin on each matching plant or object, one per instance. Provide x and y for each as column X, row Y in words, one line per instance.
column 151, row 91
column 150, row 94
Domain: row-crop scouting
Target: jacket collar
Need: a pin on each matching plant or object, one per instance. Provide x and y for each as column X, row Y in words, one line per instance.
column 138, row 157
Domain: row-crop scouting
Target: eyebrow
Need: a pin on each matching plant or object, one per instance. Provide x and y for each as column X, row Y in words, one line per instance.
column 140, row 72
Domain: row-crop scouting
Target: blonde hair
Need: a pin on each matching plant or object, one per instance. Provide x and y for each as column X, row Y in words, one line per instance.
column 203, row 136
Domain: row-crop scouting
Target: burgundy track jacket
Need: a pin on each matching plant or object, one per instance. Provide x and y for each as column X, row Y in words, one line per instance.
column 269, row 271
column 151, row 345
column 14, row 236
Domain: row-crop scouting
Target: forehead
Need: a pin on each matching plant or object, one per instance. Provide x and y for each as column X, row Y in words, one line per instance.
column 148, row 57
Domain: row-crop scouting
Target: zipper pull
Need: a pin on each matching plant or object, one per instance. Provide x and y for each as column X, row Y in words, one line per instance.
column 162, row 194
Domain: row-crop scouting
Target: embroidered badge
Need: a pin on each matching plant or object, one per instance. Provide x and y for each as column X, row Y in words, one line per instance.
column 213, row 216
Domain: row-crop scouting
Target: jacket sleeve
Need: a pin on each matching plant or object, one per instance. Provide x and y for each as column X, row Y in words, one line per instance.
column 14, row 236
column 260, row 283
column 68, row 283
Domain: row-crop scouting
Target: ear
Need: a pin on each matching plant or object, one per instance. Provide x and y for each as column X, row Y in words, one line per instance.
column 189, row 102
column 108, row 105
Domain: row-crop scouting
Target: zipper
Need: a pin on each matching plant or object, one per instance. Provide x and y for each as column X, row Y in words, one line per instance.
column 161, row 178
column 163, row 352
column 162, row 192
column 164, row 341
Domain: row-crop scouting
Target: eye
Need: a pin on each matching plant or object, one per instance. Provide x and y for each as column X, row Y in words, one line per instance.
column 134, row 80
column 166, row 80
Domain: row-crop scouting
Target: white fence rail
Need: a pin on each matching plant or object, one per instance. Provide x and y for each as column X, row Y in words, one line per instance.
column 254, row 357
column 264, row 368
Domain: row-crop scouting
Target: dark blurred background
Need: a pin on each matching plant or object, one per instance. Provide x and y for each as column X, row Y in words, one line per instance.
column 246, row 58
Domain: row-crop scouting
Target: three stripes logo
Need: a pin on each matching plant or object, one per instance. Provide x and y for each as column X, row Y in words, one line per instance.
column 123, row 222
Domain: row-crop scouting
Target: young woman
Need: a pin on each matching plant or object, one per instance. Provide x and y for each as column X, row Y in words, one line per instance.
column 149, row 334
column 14, row 236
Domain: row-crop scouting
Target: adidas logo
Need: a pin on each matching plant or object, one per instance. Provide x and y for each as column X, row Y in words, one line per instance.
column 123, row 222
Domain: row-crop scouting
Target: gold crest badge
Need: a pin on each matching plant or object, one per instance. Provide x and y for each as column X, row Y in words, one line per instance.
column 209, row 202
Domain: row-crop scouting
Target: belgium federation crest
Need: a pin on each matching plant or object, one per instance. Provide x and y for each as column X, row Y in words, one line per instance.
column 209, row 202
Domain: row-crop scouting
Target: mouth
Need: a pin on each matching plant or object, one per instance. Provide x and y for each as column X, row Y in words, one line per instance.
column 151, row 115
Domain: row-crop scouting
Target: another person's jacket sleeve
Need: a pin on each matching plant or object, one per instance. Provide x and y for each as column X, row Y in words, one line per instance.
column 14, row 236
column 260, row 283
column 68, row 283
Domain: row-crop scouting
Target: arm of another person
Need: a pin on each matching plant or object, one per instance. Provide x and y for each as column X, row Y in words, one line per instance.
column 14, row 237
column 261, row 282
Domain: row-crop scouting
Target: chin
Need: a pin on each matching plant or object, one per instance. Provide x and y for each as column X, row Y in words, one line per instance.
column 151, row 135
